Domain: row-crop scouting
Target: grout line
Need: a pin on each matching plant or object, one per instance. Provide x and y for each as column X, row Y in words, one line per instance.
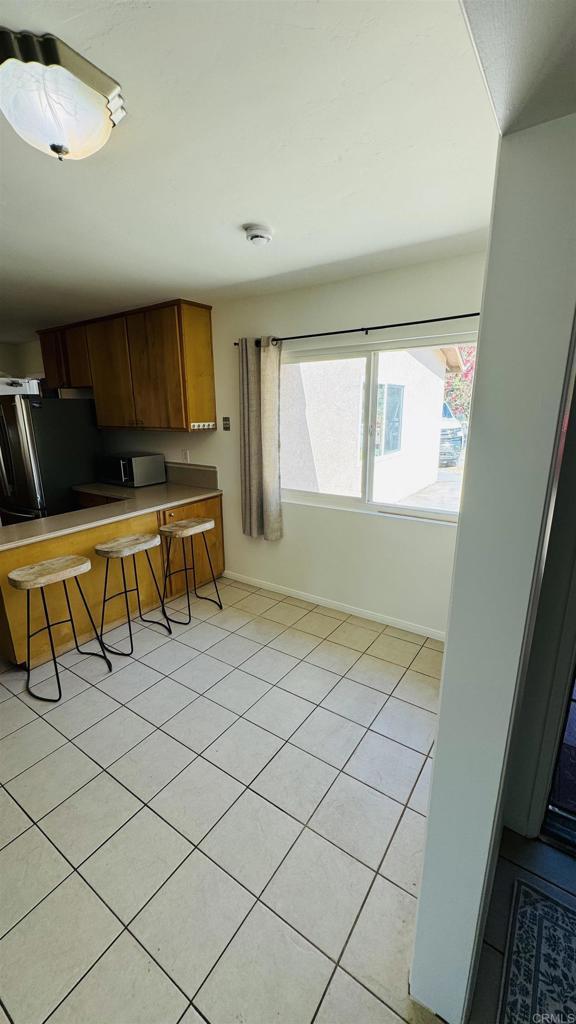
column 120, row 705
column 9, row 1017
column 245, row 788
column 194, row 847
column 364, row 902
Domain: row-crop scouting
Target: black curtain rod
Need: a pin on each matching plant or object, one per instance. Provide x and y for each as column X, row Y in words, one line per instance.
column 378, row 327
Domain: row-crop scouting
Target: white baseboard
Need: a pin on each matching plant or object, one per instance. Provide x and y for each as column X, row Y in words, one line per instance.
column 414, row 627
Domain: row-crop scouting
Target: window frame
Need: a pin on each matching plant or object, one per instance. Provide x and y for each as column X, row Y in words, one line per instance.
column 370, row 350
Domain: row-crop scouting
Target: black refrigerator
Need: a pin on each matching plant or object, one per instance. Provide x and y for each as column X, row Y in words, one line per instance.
column 47, row 446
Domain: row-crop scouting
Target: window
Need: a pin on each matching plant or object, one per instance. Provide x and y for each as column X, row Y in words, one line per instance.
column 388, row 428
column 378, row 428
column 322, row 425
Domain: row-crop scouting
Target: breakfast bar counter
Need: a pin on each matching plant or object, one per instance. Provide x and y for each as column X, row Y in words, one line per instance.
column 125, row 503
column 123, row 511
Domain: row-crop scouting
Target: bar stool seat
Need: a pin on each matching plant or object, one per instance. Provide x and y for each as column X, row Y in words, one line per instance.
column 123, row 547
column 39, row 575
column 53, row 570
column 129, row 547
column 180, row 530
column 187, row 527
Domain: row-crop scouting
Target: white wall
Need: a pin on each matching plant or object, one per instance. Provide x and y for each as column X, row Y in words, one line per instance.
column 389, row 566
column 13, row 359
column 21, row 358
column 523, row 353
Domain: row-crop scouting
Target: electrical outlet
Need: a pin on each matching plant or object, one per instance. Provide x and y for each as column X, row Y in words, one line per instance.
column 185, row 454
column 225, row 423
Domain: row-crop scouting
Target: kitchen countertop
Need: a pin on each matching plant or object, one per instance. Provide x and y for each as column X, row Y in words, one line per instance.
column 134, row 501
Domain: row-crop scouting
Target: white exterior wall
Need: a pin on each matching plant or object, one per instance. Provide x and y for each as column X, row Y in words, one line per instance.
column 321, row 409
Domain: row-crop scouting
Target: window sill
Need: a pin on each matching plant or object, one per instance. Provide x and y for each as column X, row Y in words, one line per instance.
column 340, row 504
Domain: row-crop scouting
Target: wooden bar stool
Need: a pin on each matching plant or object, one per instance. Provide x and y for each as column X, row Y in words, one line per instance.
column 129, row 547
column 41, row 575
column 180, row 530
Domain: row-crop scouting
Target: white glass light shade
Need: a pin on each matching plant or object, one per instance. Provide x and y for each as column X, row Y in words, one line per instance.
column 50, row 107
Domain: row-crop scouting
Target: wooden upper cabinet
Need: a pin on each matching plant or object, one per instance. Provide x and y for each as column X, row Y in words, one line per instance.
column 150, row 367
column 111, row 377
column 75, row 348
column 155, row 360
column 55, row 371
column 196, row 330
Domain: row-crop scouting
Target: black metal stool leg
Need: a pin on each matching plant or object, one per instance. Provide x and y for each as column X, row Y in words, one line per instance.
column 151, row 622
column 166, row 569
column 121, row 593
column 28, row 652
column 219, row 601
column 48, row 700
column 166, row 622
column 127, row 603
column 185, row 564
column 202, row 597
column 93, row 624
column 93, row 654
column 167, row 574
column 103, row 616
column 28, row 640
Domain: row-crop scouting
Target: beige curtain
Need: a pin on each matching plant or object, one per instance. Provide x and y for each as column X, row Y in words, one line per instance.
column 260, row 437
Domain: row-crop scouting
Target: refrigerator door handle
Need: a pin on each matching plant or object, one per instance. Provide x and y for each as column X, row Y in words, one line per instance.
column 4, row 482
column 28, row 447
column 7, row 487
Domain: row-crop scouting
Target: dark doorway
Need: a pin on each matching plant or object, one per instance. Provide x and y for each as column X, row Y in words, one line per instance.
column 560, row 818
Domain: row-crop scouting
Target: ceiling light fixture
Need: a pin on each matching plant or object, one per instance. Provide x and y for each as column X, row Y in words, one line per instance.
column 54, row 98
column 257, row 234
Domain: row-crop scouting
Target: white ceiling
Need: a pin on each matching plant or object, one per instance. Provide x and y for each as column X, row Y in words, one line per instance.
column 361, row 131
column 527, row 49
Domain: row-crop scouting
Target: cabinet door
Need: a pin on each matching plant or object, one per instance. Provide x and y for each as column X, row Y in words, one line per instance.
column 211, row 508
column 154, row 343
column 198, row 366
column 76, row 355
column 55, row 370
column 111, row 378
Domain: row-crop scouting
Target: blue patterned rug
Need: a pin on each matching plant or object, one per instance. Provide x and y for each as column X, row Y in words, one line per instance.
column 539, row 977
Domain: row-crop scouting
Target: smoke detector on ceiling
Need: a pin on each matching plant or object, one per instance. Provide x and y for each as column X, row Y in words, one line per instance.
column 257, row 234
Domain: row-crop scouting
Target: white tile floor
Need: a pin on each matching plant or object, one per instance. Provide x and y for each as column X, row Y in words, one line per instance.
column 228, row 827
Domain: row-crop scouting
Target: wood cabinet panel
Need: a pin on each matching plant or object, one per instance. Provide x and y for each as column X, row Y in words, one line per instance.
column 196, row 328
column 75, row 347
column 151, row 368
column 55, row 371
column 211, row 508
column 157, row 379
column 111, row 375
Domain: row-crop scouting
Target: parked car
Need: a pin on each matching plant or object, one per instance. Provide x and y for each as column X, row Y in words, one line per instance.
column 451, row 437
